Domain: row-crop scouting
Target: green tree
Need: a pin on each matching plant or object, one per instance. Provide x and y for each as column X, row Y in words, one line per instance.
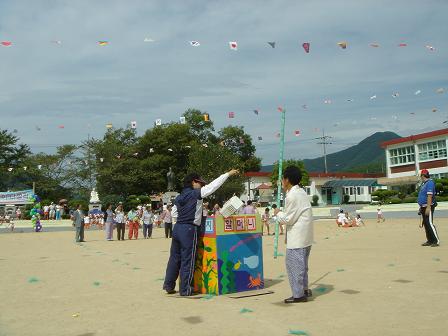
column 240, row 143
column 55, row 175
column 212, row 161
column 12, row 155
column 199, row 127
column 291, row 162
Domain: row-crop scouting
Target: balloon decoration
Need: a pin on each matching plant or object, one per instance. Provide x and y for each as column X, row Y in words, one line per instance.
column 36, row 212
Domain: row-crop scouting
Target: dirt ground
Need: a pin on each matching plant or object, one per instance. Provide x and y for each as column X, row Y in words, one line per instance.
column 373, row 280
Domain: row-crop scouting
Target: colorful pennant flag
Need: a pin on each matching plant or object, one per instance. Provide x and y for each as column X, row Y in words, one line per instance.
column 350, row 100
column 374, row 45
column 205, row 145
column 109, row 125
column 6, row 43
column 306, row 47
column 61, row 126
column 296, row 132
column 170, row 150
column 231, row 115
column 241, row 140
column 158, row 122
column 434, row 109
column 430, row 48
column 103, row 43
column 148, row 39
column 133, row 124
column 10, row 169
column 39, row 167
column 403, row 45
column 25, row 168
column 280, row 109
column 195, row 43
column 395, row 94
column 272, row 44
column 233, row 45
column 206, row 117
column 56, row 42
column 373, row 97
column 440, row 90
column 101, row 159
column 38, row 128
column 343, row 45
column 151, row 150
column 278, row 135
column 260, row 138
column 417, row 92
column 182, row 120
column 305, row 107
column 15, row 130
column 327, row 101
column 256, row 112
column 135, row 154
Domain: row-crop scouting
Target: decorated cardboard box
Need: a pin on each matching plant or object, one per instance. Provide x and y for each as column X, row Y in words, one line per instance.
column 229, row 256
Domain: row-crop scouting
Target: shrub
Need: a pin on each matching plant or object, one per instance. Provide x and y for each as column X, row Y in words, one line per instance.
column 410, row 199
column 384, row 195
column 315, row 201
column 395, row 200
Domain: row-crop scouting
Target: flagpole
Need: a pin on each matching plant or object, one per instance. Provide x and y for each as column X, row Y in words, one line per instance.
column 279, row 181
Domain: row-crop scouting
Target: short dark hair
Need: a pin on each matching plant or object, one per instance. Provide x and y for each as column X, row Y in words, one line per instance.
column 266, row 210
column 249, row 202
column 274, row 206
column 293, row 175
column 188, row 180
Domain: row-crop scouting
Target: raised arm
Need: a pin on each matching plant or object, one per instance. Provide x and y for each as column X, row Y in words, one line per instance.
column 210, row 188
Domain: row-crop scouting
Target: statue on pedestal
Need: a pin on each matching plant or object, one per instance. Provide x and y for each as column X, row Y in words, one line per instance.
column 171, row 178
column 94, row 196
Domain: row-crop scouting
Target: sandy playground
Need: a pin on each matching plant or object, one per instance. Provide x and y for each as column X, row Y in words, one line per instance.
column 373, row 280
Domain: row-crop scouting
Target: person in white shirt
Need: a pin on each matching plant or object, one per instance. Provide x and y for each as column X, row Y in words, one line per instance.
column 147, row 218
column 342, row 218
column 298, row 218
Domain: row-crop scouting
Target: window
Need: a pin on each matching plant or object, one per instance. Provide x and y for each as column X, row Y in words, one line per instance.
column 432, row 150
column 404, row 155
column 360, row 190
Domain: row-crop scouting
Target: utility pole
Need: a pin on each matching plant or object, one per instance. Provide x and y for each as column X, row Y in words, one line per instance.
column 324, row 142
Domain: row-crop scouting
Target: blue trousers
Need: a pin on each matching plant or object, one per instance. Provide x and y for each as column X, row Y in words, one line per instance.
column 182, row 258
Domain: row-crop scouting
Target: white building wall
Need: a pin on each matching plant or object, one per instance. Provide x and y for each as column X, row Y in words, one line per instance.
column 440, row 170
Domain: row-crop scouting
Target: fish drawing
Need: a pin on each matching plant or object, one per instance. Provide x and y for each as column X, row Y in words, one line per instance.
column 237, row 265
column 252, row 261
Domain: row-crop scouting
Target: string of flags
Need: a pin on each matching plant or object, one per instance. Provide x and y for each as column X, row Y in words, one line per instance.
column 233, row 45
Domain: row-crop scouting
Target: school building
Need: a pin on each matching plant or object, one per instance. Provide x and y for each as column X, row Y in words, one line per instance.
column 329, row 187
column 405, row 157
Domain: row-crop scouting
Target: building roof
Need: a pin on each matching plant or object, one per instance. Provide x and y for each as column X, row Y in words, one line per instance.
column 415, row 137
column 254, row 174
column 350, row 183
column 346, row 175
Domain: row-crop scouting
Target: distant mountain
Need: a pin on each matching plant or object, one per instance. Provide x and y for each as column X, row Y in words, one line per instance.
column 366, row 156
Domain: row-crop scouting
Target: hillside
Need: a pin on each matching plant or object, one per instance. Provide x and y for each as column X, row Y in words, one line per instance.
column 366, row 156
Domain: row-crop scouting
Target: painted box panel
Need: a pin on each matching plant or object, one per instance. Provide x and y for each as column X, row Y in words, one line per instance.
column 205, row 277
column 240, row 262
column 229, row 256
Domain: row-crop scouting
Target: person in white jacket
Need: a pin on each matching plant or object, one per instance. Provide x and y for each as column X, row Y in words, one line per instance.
column 298, row 218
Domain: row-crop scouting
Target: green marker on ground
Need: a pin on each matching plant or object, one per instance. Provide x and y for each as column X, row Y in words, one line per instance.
column 246, row 310
column 297, row 332
column 33, row 280
column 96, row 283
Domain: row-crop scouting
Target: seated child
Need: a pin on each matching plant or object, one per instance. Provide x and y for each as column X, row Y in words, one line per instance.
column 342, row 219
column 358, row 221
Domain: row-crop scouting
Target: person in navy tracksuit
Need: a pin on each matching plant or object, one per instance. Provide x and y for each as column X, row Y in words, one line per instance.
column 183, row 246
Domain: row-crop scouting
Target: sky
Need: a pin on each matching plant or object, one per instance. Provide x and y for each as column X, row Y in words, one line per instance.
column 84, row 86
